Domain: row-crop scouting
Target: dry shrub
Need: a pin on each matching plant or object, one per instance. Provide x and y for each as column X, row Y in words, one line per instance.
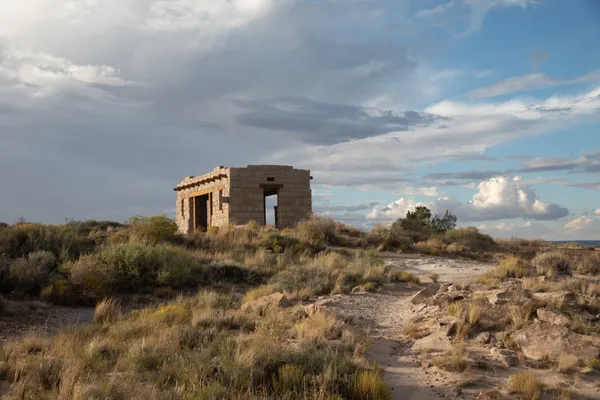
column 470, row 239
column 370, row 385
column 32, row 272
column 317, row 328
column 588, row 264
column 510, row 267
column 403, row 276
column 289, row 379
column 317, row 231
column 520, row 315
column 454, row 361
column 552, row 264
column 465, row 326
column 525, row 384
column 257, row 293
column 332, row 260
column 434, row 276
column 106, row 311
column 415, row 331
column 593, row 363
column 566, row 362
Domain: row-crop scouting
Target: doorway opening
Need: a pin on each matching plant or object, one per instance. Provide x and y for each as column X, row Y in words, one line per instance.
column 271, row 203
column 271, row 200
column 201, row 213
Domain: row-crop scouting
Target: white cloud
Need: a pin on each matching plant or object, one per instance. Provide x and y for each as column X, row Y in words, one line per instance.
column 503, row 226
column 528, row 82
column 498, row 198
column 578, row 224
column 471, row 12
column 468, row 130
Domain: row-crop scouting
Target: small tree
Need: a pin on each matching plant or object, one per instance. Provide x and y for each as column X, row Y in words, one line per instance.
column 422, row 218
column 422, row 215
column 443, row 224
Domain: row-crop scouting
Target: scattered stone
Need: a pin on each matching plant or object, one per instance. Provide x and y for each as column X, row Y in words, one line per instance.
column 323, row 302
column 441, row 299
column 500, row 296
column 489, row 395
column 437, row 341
column 542, row 339
column 444, row 288
column 553, row 317
column 429, row 291
column 261, row 305
column 483, row 338
column 562, row 299
column 507, row 358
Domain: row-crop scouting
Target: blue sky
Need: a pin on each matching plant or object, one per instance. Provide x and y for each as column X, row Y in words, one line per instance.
column 487, row 108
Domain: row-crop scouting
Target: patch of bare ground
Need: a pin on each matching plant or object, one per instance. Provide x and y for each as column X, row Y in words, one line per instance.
column 24, row 317
column 476, row 332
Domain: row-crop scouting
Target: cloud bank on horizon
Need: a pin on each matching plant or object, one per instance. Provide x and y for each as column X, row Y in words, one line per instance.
column 453, row 104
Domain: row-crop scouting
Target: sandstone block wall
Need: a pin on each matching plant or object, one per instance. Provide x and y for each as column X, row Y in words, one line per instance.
column 246, row 188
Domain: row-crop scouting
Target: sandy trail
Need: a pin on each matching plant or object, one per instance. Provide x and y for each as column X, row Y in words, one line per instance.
column 388, row 310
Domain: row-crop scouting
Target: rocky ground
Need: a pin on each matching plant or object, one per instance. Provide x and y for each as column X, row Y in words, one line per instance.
column 409, row 332
column 430, row 347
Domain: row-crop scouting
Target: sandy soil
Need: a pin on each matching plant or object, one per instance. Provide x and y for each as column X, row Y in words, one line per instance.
column 40, row 318
column 385, row 312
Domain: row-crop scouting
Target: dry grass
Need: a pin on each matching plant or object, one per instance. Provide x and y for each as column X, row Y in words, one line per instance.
column 106, row 310
column 567, row 363
column 593, row 363
column 525, row 384
column 434, row 277
column 468, row 323
column 415, row 331
column 553, row 264
column 195, row 347
column 521, row 315
column 403, row 276
column 455, row 361
column 510, row 267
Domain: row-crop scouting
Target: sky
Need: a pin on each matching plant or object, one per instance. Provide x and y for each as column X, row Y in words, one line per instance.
column 487, row 108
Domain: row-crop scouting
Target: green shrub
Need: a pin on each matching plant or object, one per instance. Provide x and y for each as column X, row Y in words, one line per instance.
column 552, row 264
column 61, row 240
column 317, row 231
column 471, row 239
column 411, row 229
column 153, row 229
column 305, row 280
column 31, row 273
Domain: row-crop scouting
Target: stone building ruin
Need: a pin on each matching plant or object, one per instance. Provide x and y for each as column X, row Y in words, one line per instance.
column 238, row 195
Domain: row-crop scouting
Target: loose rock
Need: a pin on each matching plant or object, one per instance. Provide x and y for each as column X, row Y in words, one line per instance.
column 542, row 339
column 437, row 341
column 262, row 304
column 563, row 299
column 507, row 358
column 553, row 317
column 429, row 291
column 483, row 338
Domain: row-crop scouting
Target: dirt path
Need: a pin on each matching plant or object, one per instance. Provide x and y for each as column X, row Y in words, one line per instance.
column 40, row 318
column 388, row 310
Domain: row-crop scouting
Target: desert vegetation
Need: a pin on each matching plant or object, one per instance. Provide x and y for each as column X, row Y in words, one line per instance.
column 228, row 320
